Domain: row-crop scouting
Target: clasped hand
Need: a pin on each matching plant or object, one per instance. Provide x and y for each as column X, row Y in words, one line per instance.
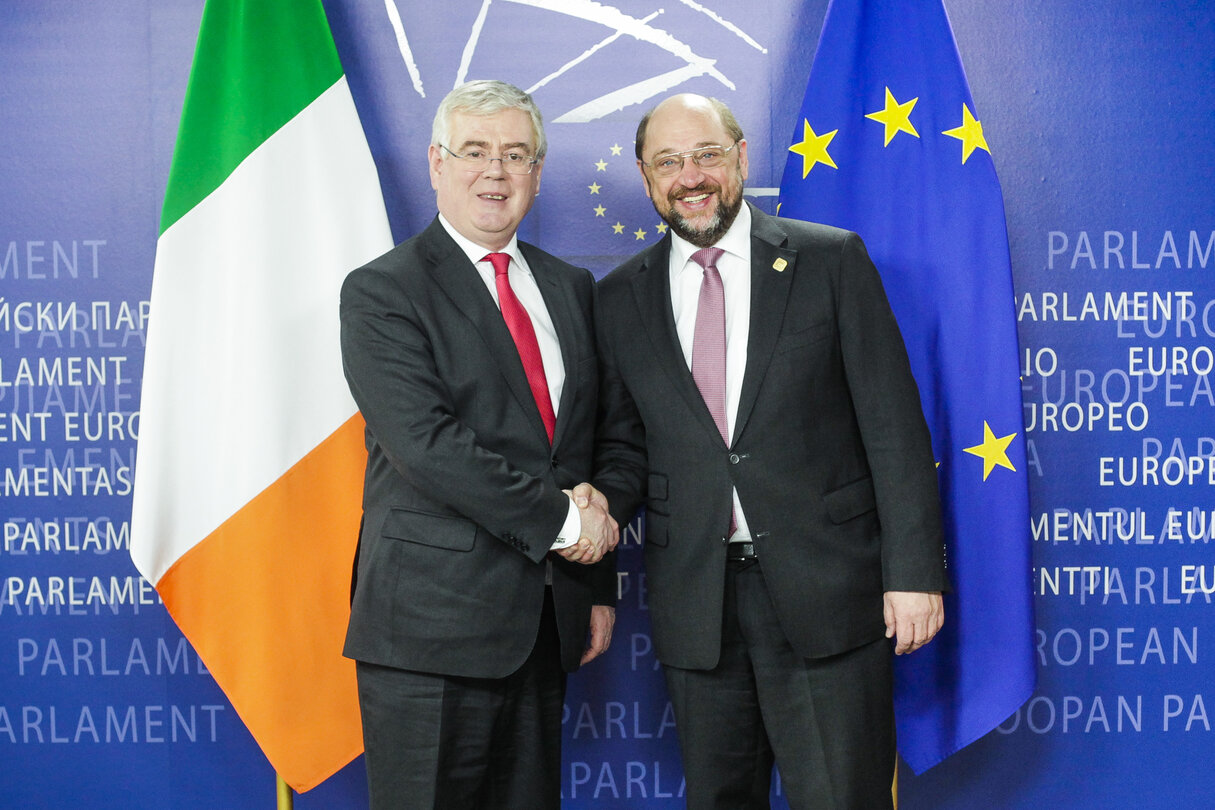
column 599, row 532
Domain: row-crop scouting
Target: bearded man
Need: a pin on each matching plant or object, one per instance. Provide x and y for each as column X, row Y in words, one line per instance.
column 757, row 398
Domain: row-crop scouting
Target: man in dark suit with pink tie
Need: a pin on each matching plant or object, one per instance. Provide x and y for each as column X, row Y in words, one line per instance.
column 757, row 398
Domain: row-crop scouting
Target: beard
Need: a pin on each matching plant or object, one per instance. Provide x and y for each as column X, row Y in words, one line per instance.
column 721, row 220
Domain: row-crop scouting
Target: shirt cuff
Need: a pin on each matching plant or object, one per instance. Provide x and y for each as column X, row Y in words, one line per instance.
column 571, row 531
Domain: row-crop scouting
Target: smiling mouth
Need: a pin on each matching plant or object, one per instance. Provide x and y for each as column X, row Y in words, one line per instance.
column 494, row 197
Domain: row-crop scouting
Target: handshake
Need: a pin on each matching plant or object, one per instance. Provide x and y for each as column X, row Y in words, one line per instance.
column 599, row 533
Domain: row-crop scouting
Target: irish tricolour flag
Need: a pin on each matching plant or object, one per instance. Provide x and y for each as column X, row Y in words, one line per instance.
column 250, row 459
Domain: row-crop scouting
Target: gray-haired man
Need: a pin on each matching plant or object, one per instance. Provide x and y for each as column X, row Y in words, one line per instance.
column 471, row 356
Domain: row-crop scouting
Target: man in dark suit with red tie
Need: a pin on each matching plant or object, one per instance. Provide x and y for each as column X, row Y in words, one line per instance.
column 471, row 356
column 757, row 395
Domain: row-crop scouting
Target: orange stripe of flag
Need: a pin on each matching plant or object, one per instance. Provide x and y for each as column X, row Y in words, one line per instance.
column 264, row 599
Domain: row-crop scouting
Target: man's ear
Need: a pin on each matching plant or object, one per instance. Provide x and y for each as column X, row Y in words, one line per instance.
column 434, row 159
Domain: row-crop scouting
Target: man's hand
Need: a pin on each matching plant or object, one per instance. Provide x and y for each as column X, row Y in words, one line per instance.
column 598, row 534
column 912, row 619
column 603, row 619
column 586, row 495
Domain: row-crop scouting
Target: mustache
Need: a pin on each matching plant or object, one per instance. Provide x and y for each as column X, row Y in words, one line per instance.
column 701, row 188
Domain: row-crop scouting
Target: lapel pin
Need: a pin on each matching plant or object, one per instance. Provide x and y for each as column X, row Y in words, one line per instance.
column 779, row 265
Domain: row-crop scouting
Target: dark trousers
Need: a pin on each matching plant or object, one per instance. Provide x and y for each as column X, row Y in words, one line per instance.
column 450, row 743
column 828, row 723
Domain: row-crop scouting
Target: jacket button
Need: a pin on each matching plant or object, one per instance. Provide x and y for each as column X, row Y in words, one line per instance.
column 553, row 462
column 734, row 458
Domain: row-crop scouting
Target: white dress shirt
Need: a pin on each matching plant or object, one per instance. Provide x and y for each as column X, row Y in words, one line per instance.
column 735, row 269
column 523, row 284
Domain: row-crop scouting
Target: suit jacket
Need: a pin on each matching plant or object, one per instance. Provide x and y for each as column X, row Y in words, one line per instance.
column 462, row 497
column 830, row 452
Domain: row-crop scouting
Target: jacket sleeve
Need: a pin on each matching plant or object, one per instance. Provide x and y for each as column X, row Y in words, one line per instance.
column 895, row 436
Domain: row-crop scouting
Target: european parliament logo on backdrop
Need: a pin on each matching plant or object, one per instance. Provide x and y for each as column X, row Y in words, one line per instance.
column 680, row 43
column 888, row 144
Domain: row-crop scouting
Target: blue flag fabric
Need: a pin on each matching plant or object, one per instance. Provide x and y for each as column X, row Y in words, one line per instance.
column 888, row 144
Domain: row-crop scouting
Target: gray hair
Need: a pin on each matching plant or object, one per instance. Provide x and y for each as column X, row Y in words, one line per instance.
column 486, row 97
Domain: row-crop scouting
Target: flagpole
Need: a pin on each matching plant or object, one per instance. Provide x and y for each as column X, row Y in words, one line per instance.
column 285, row 796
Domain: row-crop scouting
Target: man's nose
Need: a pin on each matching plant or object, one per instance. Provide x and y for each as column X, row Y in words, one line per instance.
column 495, row 168
column 690, row 174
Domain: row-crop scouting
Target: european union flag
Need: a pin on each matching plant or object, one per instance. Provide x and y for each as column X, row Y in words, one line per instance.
column 888, row 144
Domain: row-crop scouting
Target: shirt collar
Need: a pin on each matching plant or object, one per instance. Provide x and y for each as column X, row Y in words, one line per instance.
column 477, row 253
column 736, row 241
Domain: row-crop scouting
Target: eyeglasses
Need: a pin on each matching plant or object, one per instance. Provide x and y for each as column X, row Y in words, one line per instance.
column 477, row 161
column 706, row 157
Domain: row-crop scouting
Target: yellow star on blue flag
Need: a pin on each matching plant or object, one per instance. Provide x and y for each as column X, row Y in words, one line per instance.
column 993, row 451
column 813, row 148
column 895, row 117
column 970, row 133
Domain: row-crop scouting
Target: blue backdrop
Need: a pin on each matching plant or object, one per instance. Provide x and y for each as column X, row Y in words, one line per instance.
column 1100, row 122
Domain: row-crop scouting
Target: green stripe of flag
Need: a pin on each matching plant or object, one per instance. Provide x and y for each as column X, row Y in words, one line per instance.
column 258, row 63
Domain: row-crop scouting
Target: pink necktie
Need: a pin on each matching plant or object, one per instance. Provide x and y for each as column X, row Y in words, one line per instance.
column 709, row 344
column 709, row 339
column 520, row 326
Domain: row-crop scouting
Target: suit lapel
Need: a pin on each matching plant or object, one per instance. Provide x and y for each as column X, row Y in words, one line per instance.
column 769, row 296
column 652, row 291
column 456, row 276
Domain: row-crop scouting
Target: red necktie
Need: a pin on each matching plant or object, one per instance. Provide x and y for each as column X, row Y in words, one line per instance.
column 709, row 344
column 521, row 329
